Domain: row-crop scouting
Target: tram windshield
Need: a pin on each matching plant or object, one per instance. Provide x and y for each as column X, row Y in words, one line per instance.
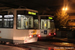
column 27, row 21
column 24, row 21
column 47, row 23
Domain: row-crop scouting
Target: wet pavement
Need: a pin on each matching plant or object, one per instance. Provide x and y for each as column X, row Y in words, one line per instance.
column 35, row 46
column 72, row 40
column 5, row 47
column 51, row 45
column 41, row 45
column 56, row 43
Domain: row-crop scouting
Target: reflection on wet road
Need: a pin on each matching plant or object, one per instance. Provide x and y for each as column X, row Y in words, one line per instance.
column 41, row 45
column 5, row 47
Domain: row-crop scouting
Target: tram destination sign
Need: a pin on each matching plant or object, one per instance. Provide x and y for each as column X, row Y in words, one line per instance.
column 50, row 18
column 32, row 13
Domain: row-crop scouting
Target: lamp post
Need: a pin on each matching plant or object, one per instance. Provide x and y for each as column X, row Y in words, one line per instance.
column 64, row 11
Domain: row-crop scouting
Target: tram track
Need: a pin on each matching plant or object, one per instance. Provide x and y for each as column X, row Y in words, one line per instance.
column 38, row 45
column 30, row 45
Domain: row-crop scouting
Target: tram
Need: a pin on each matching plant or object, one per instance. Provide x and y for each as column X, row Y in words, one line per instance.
column 24, row 26
column 19, row 26
column 47, row 27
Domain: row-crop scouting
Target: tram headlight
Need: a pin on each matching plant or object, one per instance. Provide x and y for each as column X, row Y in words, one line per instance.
column 30, row 36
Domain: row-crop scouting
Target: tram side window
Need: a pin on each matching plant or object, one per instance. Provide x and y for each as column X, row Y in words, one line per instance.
column 8, row 21
column 0, row 21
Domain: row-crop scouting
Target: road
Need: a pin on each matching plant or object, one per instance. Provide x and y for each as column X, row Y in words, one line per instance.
column 41, row 45
column 5, row 47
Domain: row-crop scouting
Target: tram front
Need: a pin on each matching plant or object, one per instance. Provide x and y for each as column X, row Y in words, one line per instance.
column 19, row 25
column 47, row 28
column 27, row 21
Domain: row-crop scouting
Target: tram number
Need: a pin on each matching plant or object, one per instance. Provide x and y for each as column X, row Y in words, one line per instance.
column 45, row 31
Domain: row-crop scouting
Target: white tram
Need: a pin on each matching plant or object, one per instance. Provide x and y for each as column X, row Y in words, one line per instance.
column 24, row 26
column 19, row 26
column 47, row 27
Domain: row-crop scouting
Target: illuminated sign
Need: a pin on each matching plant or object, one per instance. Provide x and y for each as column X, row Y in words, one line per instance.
column 32, row 13
column 50, row 18
column 29, row 12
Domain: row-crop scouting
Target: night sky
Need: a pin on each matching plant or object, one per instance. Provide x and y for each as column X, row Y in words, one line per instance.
column 34, row 3
column 40, row 5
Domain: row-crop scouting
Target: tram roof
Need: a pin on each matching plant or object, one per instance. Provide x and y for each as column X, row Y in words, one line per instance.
column 22, row 9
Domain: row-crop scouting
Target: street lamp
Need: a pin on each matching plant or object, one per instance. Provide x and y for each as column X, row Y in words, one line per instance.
column 65, row 9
